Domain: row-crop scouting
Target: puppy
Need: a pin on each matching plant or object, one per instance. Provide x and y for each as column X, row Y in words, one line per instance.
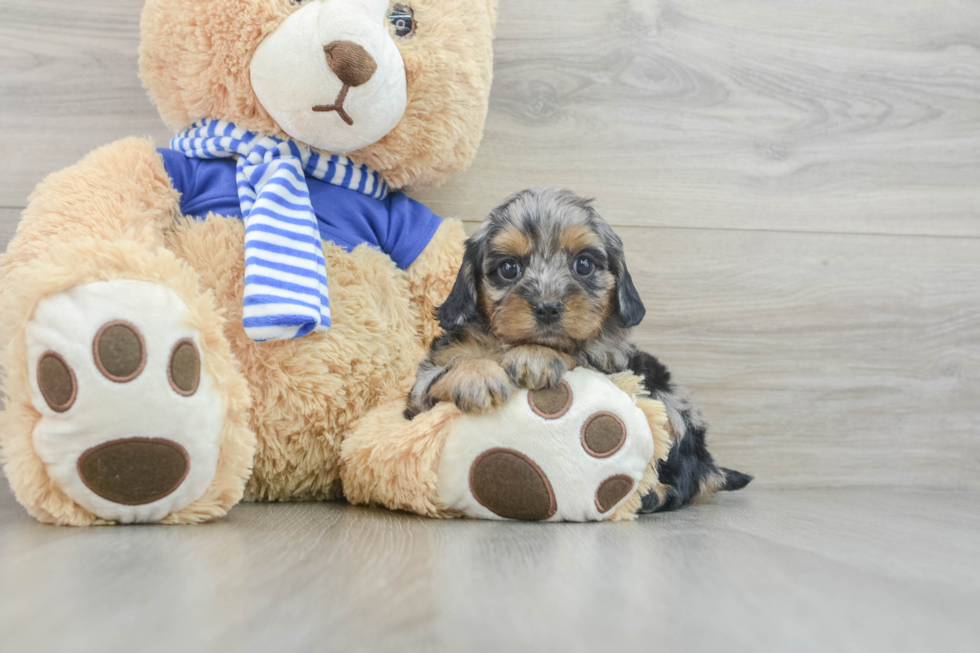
column 544, row 288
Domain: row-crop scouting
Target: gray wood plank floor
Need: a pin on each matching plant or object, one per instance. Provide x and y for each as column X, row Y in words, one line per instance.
column 798, row 185
column 797, row 570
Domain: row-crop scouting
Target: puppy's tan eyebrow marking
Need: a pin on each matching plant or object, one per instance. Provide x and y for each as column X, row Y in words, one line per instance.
column 578, row 237
column 512, row 242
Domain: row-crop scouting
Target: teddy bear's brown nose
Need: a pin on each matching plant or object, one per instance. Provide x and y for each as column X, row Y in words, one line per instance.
column 350, row 62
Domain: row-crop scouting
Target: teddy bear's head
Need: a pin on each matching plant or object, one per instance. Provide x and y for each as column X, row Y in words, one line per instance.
column 399, row 85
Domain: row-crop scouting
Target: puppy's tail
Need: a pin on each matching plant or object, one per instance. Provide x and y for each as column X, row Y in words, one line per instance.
column 734, row 480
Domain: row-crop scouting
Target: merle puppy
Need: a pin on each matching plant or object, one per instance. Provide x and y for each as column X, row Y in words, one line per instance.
column 544, row 288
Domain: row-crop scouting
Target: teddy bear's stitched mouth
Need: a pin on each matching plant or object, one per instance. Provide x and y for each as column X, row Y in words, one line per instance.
column 338, row 106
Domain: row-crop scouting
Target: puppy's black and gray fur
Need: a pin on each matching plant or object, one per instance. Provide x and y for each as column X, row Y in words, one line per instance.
column 544, row 288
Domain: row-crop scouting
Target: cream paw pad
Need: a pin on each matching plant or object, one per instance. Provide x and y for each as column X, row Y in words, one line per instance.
column 130, row 419
column 572, row 453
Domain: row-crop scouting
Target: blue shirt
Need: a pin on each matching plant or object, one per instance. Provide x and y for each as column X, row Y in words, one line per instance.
column 397, row 225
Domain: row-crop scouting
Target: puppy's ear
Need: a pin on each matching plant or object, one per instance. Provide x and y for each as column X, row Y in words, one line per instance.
column 460, row 307
column 630, row 308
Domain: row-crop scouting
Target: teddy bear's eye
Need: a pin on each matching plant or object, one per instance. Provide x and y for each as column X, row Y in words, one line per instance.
column 403, row 19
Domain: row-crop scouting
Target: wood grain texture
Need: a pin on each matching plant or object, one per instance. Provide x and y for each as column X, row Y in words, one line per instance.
column 831, row 116
column 68, row 84
column 823, row 570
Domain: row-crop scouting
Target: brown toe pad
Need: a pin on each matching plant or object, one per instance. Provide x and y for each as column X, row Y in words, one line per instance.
column 603, row 434
column 511, row 485
column 184, row 369
column 611, row 491
column 551, row 403
column 57, row 381
column 119, row 351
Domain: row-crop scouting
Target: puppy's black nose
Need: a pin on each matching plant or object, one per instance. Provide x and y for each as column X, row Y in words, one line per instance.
column 548, row 312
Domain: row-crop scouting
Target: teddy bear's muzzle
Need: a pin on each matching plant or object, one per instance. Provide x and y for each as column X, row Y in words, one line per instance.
column 332, row 75
column 134, row 471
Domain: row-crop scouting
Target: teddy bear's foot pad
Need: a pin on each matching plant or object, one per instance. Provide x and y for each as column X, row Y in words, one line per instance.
column 130, row 419
column 573, row 453
column 512, row 486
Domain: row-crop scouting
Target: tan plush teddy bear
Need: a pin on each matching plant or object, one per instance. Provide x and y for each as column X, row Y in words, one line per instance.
column 242, row 314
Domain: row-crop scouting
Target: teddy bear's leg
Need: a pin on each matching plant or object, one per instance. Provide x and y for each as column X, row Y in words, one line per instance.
column 587, row 451
column 124, row 403
column 390, row 461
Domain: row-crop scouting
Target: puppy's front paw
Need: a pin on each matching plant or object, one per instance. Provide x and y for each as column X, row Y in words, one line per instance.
column 535, row 367
column 474, row 385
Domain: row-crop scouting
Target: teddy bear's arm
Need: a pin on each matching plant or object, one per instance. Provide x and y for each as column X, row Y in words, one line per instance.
column 432, row 275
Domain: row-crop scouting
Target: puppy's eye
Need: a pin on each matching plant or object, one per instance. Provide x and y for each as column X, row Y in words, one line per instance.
column 403, row 19
column 509, row 270
column 584, row 266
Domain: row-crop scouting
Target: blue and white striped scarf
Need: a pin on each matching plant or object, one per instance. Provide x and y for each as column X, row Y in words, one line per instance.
column 285, row 274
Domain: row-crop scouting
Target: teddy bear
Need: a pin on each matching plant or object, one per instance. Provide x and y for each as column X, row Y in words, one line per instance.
column 240, row 315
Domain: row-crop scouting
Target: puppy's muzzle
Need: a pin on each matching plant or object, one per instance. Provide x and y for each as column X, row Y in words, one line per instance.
column 548, row 313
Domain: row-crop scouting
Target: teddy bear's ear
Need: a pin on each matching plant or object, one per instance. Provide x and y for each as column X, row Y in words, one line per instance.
column 194, row 58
